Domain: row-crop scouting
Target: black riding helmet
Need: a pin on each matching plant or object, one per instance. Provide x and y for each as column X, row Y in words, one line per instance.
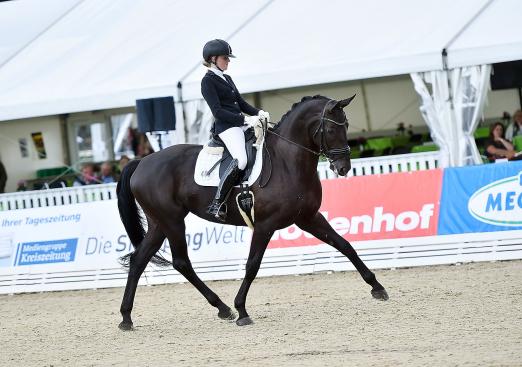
column 216, row 47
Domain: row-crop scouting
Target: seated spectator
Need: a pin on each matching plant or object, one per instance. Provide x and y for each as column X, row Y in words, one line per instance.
column 123, row 162
column 87, row 177
column 497, row 147
column 21, row 185
column 106, row 173
column 515, row 128
column 3, row 178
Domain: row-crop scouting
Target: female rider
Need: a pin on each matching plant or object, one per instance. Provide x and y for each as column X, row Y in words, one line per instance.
column 227, row 106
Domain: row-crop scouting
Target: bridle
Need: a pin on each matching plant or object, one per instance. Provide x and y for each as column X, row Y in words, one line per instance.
column 332, row 154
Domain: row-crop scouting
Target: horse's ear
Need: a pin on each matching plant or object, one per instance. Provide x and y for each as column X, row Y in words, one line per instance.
column 345, row 102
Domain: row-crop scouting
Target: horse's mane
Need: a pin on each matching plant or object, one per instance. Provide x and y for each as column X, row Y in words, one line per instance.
column 297, row 104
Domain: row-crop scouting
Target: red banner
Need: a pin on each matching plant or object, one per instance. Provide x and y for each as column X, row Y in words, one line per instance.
column 396, row 205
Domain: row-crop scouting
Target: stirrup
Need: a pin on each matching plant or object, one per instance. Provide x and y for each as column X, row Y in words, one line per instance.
column 218, row 210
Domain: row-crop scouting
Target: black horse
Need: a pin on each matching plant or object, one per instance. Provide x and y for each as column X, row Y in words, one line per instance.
column 287, row 192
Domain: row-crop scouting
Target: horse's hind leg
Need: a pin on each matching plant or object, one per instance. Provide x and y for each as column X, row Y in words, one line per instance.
column 138, row 262
column 178, row 246
column 320, row 228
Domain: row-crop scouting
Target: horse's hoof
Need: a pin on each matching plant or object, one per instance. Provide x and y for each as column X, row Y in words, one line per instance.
column 227, row 315
column 380, row 294
column 244, row 321
column 125, row 326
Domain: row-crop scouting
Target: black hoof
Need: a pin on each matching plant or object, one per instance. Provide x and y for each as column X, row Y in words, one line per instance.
column 227, row 315
column 125, row 326
column 380, row 294
column 244, row 321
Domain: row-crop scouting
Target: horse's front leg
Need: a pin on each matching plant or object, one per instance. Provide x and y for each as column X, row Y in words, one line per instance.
column 260, row 239
column 321, row 229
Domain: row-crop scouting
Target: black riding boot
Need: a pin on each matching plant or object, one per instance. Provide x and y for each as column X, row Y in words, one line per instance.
column 229, row 179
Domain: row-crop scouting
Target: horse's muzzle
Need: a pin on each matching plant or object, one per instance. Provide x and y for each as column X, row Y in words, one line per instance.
column 341, row 167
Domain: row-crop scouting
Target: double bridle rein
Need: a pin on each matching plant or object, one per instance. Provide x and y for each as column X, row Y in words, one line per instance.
column 332, row 154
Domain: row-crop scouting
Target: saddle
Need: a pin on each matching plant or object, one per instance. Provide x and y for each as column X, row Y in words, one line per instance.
column 214, row 158
column 226, row 158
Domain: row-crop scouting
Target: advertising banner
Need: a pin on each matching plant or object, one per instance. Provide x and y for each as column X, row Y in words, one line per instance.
column 485, row 198
column 366, row 208
column 87, row 235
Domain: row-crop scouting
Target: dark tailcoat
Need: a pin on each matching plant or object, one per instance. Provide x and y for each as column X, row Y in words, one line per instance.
column 225, row 102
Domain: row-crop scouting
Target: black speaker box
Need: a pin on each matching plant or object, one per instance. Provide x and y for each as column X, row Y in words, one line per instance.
column 156, row 114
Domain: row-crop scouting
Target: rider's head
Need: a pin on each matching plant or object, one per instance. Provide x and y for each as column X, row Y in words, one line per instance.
column 217, row 52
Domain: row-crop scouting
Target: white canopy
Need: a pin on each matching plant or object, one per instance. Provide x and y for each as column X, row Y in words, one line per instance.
column 21, row 22
column 294, row 43
column 106, row 54
column 495, row 35
column 98, row 54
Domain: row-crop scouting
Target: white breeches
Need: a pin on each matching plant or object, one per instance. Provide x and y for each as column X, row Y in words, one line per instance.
column 234, row 139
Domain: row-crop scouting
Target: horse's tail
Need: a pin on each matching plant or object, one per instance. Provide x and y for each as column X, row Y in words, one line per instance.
column 131, row 217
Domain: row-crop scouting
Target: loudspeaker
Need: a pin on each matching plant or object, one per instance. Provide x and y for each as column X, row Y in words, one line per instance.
column 507, row 75
column 156, row 114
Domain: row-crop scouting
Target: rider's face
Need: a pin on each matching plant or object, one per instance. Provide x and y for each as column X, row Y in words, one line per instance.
column 222, row 62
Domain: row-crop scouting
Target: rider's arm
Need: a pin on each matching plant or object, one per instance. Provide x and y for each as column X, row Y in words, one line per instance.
column 208, row 90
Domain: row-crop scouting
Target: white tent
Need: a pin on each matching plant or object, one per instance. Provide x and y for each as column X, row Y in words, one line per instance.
column 92, row 55
column 104, row 54
column 22, row 22
column 294, row 43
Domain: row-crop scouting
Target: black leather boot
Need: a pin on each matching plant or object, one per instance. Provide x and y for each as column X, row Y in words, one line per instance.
column 229, row 179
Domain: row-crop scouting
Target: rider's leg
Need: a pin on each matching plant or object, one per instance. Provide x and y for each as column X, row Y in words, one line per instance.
column 234, row 140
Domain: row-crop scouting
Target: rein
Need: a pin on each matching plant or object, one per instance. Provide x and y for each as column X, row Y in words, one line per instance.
column 328, row 153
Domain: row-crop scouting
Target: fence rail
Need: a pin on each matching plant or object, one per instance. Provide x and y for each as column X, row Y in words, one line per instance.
column 81, row 194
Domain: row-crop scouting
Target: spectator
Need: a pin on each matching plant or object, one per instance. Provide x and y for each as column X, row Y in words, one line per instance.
column 3, row 178
column 515, row 128
column 87, row 177
column 21, row 185
column 497, row 147
column 123, row 162
column 107, row 175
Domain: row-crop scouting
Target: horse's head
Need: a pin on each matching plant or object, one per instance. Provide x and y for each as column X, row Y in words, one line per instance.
column 331, row 135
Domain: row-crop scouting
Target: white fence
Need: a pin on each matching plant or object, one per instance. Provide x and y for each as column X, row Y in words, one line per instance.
column 81, row 194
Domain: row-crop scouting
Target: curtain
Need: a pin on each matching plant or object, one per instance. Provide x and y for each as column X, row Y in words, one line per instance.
column 452, row 103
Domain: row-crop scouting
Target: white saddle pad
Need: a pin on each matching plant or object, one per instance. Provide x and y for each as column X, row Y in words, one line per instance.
column 210, row 155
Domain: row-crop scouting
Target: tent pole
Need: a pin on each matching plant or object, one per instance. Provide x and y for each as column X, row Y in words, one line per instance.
column 365, row 104
column 183, row 113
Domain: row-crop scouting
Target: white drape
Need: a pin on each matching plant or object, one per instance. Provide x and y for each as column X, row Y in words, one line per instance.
column 452, row 103
column 199, row 120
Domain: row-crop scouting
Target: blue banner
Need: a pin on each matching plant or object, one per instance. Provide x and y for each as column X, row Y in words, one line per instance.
column 58, row 251
column 485, row 198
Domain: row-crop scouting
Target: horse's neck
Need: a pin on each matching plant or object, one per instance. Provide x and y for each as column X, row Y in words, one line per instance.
column 296, row 131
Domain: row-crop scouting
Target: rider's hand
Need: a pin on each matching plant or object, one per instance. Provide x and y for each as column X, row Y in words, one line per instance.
column 263, row 115
column 252, row 121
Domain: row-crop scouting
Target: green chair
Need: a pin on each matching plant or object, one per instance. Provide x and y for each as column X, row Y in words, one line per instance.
column 378, row 145
column 517, row 143
column 424, row 148
column 481, row 132
column 400, row 141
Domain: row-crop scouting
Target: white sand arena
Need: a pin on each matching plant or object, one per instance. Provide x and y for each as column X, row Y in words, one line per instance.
column 440, row 316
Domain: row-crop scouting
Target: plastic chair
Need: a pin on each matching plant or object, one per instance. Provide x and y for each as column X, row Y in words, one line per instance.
column 517, row 143
column 481, row 132
column 424, row 148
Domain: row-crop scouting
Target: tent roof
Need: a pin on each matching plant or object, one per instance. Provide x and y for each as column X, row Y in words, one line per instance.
column 92, row 55
column 494, row 36
column 295, row 43
column 16, row 34
column 106, row 54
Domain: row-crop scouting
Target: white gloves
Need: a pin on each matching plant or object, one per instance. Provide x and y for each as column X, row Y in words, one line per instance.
column 264, row 116
column 252, row 121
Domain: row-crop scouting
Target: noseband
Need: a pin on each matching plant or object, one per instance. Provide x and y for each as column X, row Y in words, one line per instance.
column 332, row 154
